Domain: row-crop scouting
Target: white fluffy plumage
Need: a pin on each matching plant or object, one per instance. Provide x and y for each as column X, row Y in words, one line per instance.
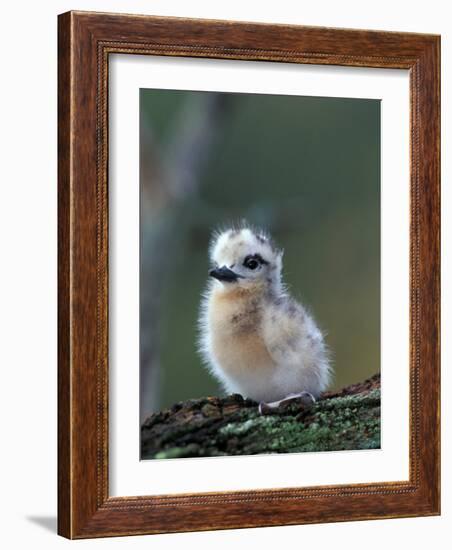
column 254, row 337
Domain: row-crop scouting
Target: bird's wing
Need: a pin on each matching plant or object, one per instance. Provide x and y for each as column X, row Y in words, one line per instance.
column 289, row 332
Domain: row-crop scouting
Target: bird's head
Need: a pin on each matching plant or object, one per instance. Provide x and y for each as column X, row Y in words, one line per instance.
column 246, row 259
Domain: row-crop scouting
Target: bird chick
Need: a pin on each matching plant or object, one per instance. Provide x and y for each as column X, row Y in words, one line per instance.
column 254, row 337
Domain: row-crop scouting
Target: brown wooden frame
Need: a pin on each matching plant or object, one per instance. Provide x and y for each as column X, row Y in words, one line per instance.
column 85, row 41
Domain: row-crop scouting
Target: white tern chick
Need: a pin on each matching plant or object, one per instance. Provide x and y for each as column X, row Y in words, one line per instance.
column 254, row 337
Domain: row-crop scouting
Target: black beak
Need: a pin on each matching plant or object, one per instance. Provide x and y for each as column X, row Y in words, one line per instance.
column 224, row 274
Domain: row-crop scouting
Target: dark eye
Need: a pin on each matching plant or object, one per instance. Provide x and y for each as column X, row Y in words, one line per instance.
column 251, row 263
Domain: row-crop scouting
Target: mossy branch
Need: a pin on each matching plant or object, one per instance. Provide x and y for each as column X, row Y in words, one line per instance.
column 213, row 426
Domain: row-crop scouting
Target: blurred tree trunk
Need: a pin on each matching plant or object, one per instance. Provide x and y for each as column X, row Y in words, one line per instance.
column 168, row 176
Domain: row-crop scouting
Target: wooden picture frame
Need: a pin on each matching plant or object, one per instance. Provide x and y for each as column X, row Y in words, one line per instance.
column 85, row 42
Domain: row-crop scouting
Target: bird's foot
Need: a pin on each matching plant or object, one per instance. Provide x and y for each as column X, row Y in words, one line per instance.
column 306, row 399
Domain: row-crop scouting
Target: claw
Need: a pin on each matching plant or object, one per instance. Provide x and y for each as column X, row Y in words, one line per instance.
column 306, row 398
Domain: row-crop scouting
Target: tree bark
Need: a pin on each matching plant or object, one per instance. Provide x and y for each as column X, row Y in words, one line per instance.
column 212, row 426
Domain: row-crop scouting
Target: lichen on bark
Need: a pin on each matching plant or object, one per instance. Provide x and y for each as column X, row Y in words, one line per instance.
column 214, row 426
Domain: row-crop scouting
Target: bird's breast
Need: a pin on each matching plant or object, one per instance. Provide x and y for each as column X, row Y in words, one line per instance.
column 236, row 337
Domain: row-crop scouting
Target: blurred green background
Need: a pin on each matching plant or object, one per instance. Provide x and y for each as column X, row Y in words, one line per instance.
column 305, row 168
